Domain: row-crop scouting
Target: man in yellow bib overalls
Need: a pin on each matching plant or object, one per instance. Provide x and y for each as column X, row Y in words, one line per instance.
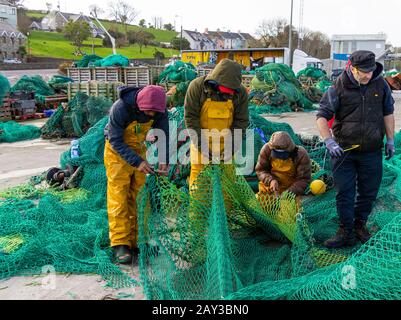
column 219, row 102
column 136, row 112
column 283, row 166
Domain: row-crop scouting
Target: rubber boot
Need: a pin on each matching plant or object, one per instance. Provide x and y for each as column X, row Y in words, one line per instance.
column 342, row 239
column 361, row 231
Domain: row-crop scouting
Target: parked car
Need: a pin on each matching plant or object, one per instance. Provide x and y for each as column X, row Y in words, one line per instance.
column 15, row 61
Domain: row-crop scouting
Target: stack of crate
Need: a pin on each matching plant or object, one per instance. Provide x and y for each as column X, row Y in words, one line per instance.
column 95, row 88
column 5, row 110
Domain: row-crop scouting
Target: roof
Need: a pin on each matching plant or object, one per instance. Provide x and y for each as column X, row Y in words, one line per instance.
column 238, row 50
column 247, row 36
column 7, row 3
column 230, row 35
column 197, row 36
column 9, row 31
column 359, row 37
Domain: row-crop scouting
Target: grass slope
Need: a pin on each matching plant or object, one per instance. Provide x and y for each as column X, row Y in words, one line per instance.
column 54, row 45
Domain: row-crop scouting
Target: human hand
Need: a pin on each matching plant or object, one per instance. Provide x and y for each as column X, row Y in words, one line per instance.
column 145, row 167
column 390, row 149
column 335, row 150
column 163, row 170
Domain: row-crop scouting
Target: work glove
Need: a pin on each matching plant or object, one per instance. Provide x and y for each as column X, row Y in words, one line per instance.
column 335, row 150
column 390, row 149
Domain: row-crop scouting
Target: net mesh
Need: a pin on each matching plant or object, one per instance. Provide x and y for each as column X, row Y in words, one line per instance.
column 12, row 131
column 275, row 89
column 218, row 242
column 34, row 84
column 114, row 60
column 178, row 72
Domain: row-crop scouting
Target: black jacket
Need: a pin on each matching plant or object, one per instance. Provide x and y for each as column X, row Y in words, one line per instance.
column 122, row 114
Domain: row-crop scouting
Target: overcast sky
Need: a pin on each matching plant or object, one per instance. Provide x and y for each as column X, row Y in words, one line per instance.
column 328, row 16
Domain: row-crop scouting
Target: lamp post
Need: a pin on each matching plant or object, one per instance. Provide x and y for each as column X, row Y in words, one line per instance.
column 290, row 31
column 177, row 16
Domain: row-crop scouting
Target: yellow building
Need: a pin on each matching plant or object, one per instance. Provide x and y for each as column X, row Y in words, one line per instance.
column 246, row 57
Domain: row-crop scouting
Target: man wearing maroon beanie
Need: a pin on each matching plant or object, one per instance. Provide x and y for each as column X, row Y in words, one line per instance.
column 131, row 118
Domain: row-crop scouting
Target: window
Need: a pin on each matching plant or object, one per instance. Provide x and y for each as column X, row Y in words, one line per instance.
column 13, row 11
column 4, row 39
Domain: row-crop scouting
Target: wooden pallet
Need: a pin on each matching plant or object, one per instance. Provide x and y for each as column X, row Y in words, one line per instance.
column 80, row 74
column 204, row 71
column 5, row 113
column 94, row 88
column 137, row 76
column 110, row 74
column 155, row 72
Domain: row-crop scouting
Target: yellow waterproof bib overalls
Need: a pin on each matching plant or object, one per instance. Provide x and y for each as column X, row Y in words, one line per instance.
column 123, row 184
column 285, row 173
column 214, row 115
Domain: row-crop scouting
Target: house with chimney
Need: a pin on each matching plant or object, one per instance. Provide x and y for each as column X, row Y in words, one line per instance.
column 57, row 20
column 209, row 40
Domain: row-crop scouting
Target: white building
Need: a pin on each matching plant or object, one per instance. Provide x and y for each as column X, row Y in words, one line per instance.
column 342, row 46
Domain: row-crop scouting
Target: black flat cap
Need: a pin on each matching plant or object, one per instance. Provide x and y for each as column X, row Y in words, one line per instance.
column 364, row 61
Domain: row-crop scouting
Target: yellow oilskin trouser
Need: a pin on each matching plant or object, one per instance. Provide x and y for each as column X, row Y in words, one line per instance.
column 123, row 184
column 284, row 171
column 214, row 115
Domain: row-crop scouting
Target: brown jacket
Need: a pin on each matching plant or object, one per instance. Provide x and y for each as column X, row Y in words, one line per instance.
column 302, row 162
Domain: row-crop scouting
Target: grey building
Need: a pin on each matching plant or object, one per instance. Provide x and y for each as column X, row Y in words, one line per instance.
column 342, row 46
column 197, row 40
column 10, row 38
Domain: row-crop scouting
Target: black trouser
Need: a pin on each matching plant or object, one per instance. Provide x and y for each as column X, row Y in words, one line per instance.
column 357, row 178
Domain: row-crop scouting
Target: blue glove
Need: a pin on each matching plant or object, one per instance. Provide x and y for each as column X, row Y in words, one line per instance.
column 390, row 149
column 335, row 150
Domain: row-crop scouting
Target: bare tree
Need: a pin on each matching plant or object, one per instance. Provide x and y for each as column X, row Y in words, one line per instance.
column 270, row 30
column 316, row 43
column 96, row 10
column 157, row 22
column 123, row 12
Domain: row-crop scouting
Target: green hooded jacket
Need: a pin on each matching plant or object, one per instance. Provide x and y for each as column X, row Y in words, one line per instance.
column 227, row 73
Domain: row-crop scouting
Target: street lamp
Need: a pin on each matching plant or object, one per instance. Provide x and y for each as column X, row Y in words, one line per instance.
column 177, row 16
column 290, row 35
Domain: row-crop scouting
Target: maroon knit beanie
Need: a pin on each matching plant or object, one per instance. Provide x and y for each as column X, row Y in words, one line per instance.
column 152, row 98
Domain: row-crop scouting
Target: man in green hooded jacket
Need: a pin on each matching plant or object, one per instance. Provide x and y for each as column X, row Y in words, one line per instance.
column 217, row 102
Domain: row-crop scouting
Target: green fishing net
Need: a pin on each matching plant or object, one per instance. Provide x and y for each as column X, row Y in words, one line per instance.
column 220, row 241
column 314, row 83
column 87, row 61
column 12, row 131
column 75, row 119
column 114, row 60
column 34, row 84
column 59, row 83
column 275, row 89
column 4, row 88
column 178, row 72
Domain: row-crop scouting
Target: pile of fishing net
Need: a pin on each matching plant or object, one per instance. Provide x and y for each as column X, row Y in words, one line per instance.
column 74, row 119
column 114, row 60
column 68, row 230
column 176, row 95
column 87, row 61
column 275, row 89
column 12, row 131
column 178, row 72
column 60, row 83
column 4, row 88
column 34, row 84
column 314, row 82
column 219, row 242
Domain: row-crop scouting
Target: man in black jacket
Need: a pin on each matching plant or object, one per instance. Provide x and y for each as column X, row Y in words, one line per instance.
column 363, row 107
column 131, row 118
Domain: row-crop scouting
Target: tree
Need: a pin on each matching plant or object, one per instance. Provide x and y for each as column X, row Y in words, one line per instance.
column 168, row 27
column 158, row 55
column 316, row 44
column 23, row 20
column 123, row 12
column 157, row 22
column 142, row 23
column 119, row 36
column 77, row 32
column 140, row 37
column 96, row 10
column 274, row 32
column 175, row 43
column 18, row 3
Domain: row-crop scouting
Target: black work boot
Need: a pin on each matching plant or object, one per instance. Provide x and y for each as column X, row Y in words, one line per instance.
column 361, row 231
column 342, row 239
